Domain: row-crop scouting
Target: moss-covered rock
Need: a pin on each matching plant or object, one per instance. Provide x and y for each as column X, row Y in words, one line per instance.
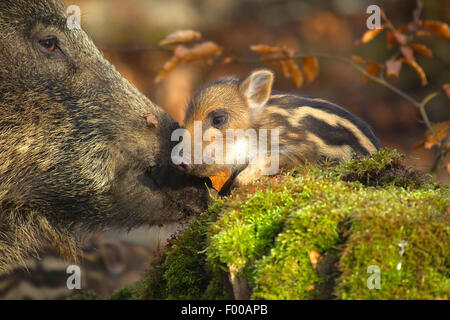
column 316, row 232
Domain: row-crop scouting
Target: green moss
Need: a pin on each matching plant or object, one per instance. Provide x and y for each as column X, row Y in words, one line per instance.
column 182, row 271
column 312, row 233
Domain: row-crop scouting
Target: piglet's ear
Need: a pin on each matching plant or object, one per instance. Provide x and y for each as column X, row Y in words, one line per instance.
column 257, row 88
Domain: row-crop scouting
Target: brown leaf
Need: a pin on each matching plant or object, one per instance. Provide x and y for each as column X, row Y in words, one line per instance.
column 440, row 130
column 310, row 68
column 391, row 41
column 422, row 49
column 438, row 27
column 202, row 50
column 152, row 121
column 418, row 69
column 314, row 258
column 423, row 33
column 228, row 60
column 220, row 179
column 447, row 165
column 358, row 59
column 373, row 69
column 407, row 53
column 400, row 38
column 167, row 68
column 407, row 27
column 180, row 36
column 295, row 72
column 284, row 68
column 263, row 48
column 393, row 67
column 446, row 88
column 369, row 35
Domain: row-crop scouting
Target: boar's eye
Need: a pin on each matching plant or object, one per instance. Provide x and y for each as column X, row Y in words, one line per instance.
column 219, row 120
column 49, row 45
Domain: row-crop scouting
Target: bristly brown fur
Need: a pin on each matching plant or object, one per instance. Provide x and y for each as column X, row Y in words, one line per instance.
column 75, row 151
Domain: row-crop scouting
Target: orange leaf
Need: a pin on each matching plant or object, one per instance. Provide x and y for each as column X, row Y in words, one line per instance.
column 369, row 35
column 202, row 50
column 167, row 68
column 438, row 27
column 180, row 36
column 448, row 171
column 228, row 60
column 407, row 53
column 295, row 72
column 358, row 59
column 446, row 88
column 390, row 40
column 284, row 68
column 423, row 33
column 263, row 48
column 220, row 179
column 314, row 258
column 393, row 68
column 310, row 68
column 422, row 49
column 440, row 130
column 406, row 27
column 418, row 69
column 373, row 69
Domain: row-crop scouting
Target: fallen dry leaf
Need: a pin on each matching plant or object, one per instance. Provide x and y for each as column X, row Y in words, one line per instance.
column 219, row 179
column 314, row 257
column 440, row 130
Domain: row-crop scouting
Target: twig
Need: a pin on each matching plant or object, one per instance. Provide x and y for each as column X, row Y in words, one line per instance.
column 419, row 105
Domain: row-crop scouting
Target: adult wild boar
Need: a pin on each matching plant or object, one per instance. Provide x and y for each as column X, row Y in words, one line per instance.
column 75, row 151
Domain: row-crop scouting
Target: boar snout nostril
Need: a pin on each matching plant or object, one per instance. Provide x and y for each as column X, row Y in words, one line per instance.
column 184, row 167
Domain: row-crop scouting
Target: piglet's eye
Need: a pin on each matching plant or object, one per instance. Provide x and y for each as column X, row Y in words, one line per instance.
column 219, row 120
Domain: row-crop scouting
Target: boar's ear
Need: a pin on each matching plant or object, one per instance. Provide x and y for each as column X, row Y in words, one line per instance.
column 257, row 87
